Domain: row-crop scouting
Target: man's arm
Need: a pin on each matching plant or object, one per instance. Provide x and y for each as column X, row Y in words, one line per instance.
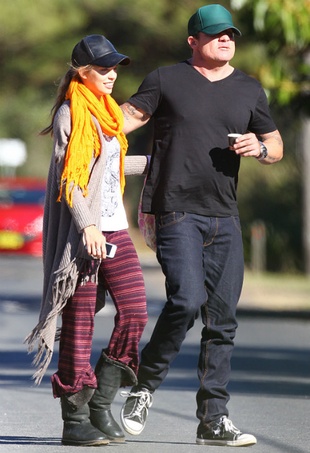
column 133, row 117
column 248, row 145
column 274, row 145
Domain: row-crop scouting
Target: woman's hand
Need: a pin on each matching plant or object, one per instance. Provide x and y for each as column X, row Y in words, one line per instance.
column 94, row 242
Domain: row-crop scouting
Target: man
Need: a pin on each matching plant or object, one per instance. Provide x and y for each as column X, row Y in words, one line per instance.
column 191, row 189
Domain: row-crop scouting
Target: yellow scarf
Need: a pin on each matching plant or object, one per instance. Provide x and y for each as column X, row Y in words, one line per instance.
column 84, row 143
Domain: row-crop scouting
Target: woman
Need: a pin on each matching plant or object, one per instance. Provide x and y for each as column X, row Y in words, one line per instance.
column 83, row 211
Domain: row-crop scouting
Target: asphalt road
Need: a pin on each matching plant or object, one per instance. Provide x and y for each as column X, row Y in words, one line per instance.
column 270, row 384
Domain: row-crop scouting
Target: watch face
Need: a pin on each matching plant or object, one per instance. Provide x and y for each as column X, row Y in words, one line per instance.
column 263, row 151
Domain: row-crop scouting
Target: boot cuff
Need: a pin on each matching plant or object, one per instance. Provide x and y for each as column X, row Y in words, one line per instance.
column 129, row 378
column 78, row 399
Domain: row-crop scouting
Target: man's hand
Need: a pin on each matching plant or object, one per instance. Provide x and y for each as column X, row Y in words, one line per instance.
column 248, row 145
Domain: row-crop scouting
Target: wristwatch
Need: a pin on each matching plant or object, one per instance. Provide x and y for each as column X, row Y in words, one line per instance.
column 263, row 151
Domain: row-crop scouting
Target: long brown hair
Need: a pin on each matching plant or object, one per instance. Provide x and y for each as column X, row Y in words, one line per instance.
column 61, row 96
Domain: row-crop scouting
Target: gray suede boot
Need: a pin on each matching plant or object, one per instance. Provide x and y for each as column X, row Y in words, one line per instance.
column 110, row 375
column 77, row 428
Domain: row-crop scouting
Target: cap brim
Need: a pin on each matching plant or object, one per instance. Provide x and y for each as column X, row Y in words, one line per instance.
column 218, row 28
column 112, row 59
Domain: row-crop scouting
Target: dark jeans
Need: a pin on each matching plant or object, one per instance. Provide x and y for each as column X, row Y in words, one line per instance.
column 202, row 259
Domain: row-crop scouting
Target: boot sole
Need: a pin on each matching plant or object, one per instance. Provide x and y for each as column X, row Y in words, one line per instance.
column 90, row 443
column 121, row 440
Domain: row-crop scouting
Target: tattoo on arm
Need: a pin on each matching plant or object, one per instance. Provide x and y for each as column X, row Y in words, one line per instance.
column 277, row 139
column 274, row 136
column 124, row 110
column 130, row 110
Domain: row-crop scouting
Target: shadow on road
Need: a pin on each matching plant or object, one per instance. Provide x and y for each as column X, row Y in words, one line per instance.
column 24, row 440
column 256, row 370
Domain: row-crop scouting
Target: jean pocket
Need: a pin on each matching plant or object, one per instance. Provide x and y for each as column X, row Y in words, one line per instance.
column 165, row 219
column 237, row 223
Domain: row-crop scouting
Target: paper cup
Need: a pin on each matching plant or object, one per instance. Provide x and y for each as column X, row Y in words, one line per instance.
column 232, row 138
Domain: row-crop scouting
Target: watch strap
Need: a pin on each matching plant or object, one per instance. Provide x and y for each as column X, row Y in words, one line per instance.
column 263, row 151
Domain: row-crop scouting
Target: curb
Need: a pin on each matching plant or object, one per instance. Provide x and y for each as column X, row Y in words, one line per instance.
column 303, row 315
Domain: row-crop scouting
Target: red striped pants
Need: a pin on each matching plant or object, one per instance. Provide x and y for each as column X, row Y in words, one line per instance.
column 122, row 277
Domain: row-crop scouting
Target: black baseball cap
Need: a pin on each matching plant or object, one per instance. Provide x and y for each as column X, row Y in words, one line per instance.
column 99, row 51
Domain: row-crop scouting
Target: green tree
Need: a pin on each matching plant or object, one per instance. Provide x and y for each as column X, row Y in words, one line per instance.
column 281, row 33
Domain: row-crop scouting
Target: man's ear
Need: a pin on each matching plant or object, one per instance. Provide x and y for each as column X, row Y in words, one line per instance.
column 192, row 42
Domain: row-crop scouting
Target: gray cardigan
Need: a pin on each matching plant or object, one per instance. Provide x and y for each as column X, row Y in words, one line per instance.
column 62, row 240
column 64, row 256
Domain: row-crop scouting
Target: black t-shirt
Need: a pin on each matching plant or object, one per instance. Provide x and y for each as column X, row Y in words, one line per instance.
column 192, row 169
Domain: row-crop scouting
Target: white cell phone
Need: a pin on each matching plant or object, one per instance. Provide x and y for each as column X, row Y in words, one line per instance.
column 110, row 249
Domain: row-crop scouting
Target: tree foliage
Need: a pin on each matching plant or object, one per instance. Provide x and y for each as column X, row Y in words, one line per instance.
column 282, row 28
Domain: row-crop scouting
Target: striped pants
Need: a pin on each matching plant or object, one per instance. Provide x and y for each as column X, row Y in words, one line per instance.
column 122, row 277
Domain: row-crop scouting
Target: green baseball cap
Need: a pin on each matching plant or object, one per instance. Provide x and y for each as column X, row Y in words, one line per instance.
column 211, row 20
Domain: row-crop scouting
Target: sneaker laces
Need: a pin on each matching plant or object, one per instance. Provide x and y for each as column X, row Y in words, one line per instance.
column 228, row 425
column 144, row 400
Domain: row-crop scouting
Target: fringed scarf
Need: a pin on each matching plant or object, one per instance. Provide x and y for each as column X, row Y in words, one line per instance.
column 84, row 141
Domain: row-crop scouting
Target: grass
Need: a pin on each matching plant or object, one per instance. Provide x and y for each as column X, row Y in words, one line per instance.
column 278, row 291
column 260, row 290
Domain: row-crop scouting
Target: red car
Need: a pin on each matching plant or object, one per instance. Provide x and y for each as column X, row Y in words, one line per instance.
column 21, row 215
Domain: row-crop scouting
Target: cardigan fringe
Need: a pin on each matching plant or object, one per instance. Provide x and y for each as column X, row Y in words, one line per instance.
column 63, row 288
column 65, row 261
